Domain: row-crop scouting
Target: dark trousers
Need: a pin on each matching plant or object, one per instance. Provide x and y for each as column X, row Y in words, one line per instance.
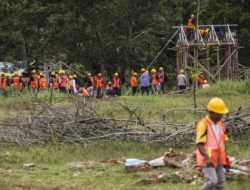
column 63, row 89
column 117, row 91
column 134, row 90
column 145, row 89
column 99, row 93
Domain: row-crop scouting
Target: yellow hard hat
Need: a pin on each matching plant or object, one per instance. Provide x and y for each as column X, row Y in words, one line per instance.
column 205, row 81
column 33, row 71
column 89, row 74
column 53, row 73
column 57, row 75
column 153, row 71
column 70, row 76
column 161, row 69
column 192, row 15
column 74, row 76
column 1, row 73
column 135, row 74
column 6, row 74
column 41, row 74
column 217, row 105
column 99, row 74
column 109, row 82
column 61, row 71
column 116, row 74
column 182, row 71
column 143, row 69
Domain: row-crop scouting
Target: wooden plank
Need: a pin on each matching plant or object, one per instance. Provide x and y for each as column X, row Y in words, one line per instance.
column 203, row 68
column 218, row 71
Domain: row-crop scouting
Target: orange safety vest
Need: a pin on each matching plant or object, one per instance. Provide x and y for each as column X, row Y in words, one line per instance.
column 154, row 79
column 99, row 82
column 85, row 93
column 16, row 82
column 64, row 81
column 34, row 82
column 133, row 82
column 116, row 82
column 1, row 83
column 43, row 84
column 214, row 149
column 54, row 83
column 190, row 24
column 5, row 83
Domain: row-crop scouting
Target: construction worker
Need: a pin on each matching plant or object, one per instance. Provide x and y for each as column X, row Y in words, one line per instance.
column 154, row 82
column 191, row 27
column 90, row 84
column 162, row 79
column 42, row 83
column 5, row 83
column 84, row 92
column 1, row 82
column 16, row 81
column 72, row 84
column 110, row 89
column 204, row 32
column 205, row 84
column 34, row 81
column 210, row 141
column 99, row 85
column 116, row 85
column 75, row 84
column 23, row 82
column 54, row 83
column 182, row 81
column 63, row 81
column 200, row 80
column 134, row 83
column 144, row 81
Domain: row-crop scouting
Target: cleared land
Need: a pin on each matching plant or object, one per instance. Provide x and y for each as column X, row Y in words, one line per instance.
column 51, row 171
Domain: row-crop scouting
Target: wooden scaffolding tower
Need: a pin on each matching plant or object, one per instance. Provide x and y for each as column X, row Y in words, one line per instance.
column 214, row 52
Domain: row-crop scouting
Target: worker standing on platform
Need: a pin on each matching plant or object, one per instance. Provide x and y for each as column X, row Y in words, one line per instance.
column 210, row 141
column 182, row 81
column 191, row 27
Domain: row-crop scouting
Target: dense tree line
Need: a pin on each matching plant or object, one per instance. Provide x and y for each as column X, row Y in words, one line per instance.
column 108, row 35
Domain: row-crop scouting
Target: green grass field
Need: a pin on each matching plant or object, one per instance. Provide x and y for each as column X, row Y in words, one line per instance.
column 51, row 173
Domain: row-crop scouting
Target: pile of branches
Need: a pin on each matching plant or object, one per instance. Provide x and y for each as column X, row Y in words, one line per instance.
column 43, row 123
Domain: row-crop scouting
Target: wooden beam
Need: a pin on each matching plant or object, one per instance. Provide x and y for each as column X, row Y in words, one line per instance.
column 218, row 71
column 203, row 68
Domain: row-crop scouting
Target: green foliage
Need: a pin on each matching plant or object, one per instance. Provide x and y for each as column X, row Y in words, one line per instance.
column 224, row 88
column 107, row 35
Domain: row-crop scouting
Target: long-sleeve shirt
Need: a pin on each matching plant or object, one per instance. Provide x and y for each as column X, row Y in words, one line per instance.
column 145, row 79
column 182, row 80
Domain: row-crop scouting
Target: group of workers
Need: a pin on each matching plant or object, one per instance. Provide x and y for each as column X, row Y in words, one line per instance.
column 149, row 81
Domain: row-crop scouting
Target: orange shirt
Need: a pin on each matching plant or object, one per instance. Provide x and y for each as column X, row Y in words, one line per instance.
column 43, row 84
column 133, row 81
column 99, row 82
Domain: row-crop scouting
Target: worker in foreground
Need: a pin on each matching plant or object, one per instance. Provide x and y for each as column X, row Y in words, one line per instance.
column 210, row 141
